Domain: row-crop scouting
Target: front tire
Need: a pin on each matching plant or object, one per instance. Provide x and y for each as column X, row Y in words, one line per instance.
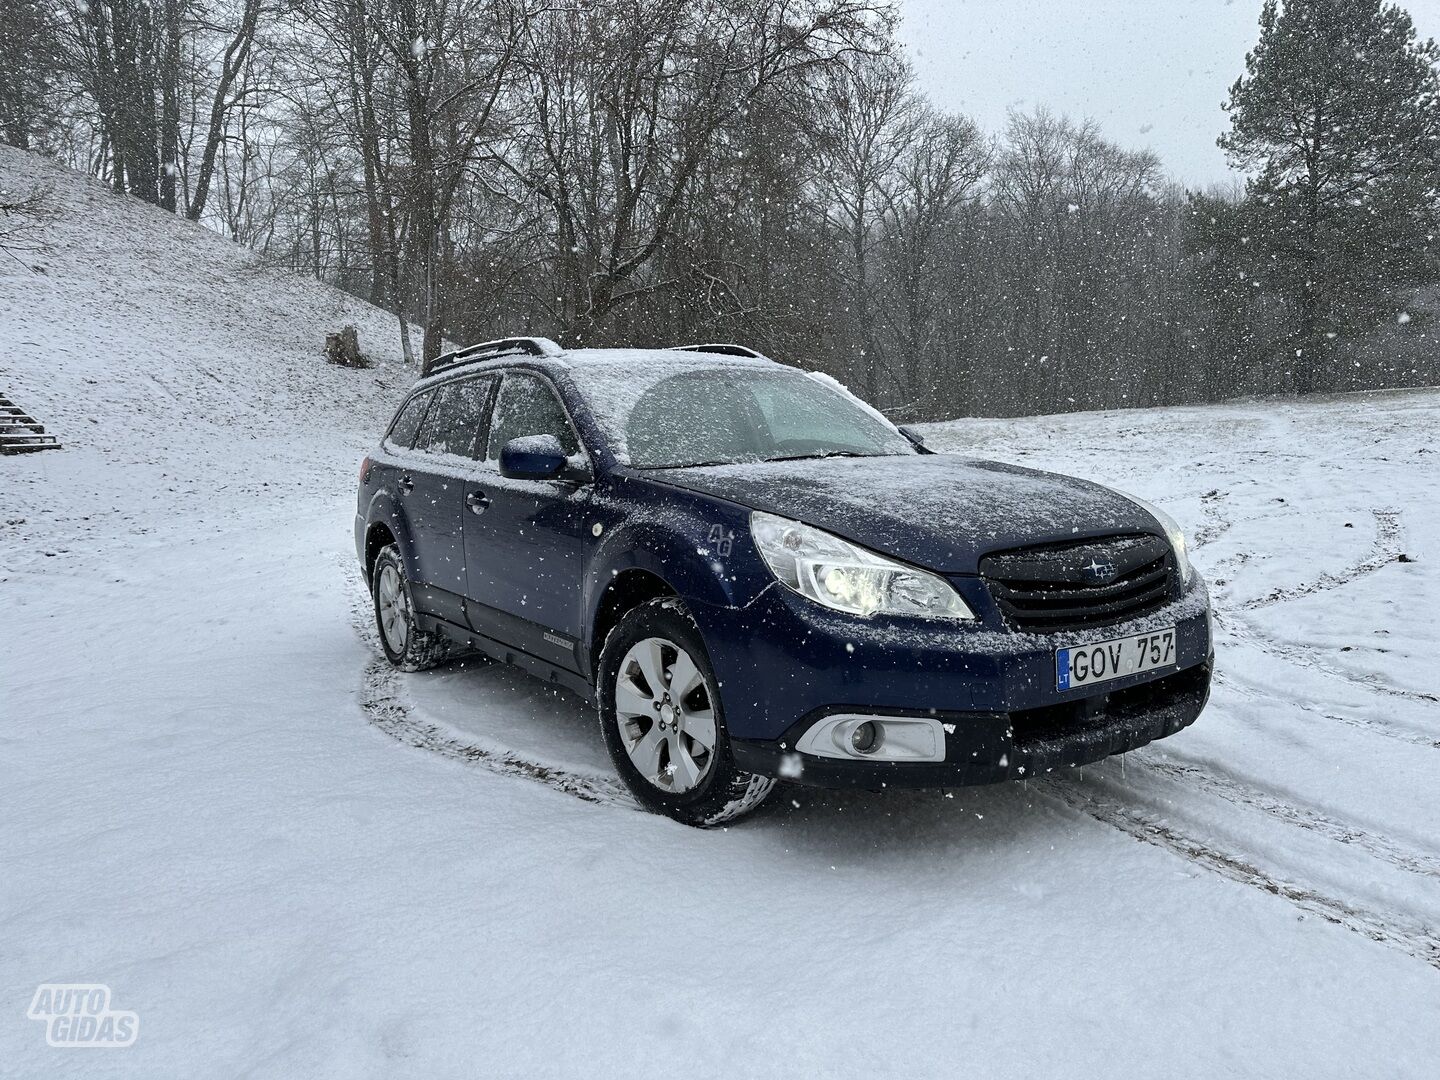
column 664, row 726
column 406, row 646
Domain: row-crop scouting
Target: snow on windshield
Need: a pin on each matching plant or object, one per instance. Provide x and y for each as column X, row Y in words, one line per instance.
column 662, row 413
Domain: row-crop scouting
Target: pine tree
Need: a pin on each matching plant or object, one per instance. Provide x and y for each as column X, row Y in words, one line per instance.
column 1338, row 121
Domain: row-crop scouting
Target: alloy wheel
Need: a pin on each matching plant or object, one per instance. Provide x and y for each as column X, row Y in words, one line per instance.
column 394, row 608
column 665, row 715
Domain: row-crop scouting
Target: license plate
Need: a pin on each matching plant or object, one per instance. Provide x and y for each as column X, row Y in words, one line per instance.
column 1084, row 665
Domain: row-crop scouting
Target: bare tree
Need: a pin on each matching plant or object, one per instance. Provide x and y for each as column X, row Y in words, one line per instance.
column 142, row 63
column 872, row 114
column 29, row 67
column 629, row 99
column 228, row 91
column 1074, row 204
column 935, row 180
column 451, row 59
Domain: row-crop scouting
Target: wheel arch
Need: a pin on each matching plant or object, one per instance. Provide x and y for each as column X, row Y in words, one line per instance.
column 627, row 590
column 378, row 536
column 661, row 540
column 387, row 523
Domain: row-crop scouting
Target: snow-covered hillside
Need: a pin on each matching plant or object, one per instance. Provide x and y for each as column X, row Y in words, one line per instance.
column 291, row 862
column 180, row 373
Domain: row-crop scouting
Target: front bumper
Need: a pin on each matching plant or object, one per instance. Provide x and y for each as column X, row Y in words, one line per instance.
column 784, row 664
column 987, row 748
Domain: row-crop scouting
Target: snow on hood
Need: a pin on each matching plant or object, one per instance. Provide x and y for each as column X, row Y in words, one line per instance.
column 940, row 511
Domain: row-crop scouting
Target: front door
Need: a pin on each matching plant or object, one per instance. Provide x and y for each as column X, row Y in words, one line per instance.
column 524, row 539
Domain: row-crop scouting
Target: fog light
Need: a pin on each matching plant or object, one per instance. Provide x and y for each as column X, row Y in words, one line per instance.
column 876, row 738
column 866, row 738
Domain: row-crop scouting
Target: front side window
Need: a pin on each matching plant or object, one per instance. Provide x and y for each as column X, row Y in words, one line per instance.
column 453, row 423
column 407, row 422
column 527, row 406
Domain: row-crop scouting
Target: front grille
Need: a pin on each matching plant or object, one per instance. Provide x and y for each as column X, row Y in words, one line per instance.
column 1079, row 584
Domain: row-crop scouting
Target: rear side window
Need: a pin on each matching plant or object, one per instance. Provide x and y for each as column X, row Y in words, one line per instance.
column 452, row 426
column 527, row 406
column 407, row 422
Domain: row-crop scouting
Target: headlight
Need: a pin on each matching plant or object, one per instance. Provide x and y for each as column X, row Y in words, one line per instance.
column 1172, row 533
column 842, row 576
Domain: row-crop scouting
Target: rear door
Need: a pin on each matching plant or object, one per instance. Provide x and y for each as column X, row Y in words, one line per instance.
column 391, row 470
column 446, row 453
column 523, row 538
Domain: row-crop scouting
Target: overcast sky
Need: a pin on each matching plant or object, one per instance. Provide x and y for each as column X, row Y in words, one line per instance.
column 1153, row 73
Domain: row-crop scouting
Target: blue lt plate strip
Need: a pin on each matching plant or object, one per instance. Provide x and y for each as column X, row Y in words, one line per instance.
column 1062, row 669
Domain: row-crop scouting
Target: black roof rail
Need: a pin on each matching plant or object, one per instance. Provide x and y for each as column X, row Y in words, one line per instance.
column 488, row 350
column 722, row 349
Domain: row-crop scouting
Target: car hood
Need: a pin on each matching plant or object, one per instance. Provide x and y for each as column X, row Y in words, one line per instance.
column 939, row 511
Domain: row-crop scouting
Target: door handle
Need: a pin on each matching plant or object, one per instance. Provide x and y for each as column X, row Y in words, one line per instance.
column 477, row 501
column 407, row 483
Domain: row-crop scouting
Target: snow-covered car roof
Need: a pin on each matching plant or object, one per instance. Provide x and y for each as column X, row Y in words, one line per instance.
column 681, row 357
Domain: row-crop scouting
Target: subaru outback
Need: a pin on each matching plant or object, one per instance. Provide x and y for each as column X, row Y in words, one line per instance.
column 757, row 577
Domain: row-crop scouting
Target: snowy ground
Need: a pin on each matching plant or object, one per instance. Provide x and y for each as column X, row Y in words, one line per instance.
column 291, row 862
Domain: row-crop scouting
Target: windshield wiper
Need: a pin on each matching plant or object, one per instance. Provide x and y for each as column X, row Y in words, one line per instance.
column 823, row 454
column 696, row 464
column 760, row 460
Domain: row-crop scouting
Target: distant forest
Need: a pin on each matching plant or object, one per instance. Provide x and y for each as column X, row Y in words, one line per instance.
column 654, row 172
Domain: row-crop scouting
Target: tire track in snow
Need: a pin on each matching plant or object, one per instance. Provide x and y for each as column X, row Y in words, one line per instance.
column 1304, row 658
column 1311, row 819
column 1373, row 727
column 1384, row 550
column 1216, row 524
column 1397, row 931
column 387, row 708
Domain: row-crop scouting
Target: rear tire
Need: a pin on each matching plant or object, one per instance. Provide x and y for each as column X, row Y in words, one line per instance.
column 661, row 715
column 406, row 646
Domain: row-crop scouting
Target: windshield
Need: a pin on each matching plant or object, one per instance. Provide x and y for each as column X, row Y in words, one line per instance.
column 664, row 415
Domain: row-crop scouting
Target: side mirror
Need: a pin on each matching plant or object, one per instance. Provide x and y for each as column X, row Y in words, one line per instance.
column 913, row 434
column 532, row 457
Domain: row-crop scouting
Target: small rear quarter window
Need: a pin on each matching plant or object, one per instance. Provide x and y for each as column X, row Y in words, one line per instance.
column 407, row 422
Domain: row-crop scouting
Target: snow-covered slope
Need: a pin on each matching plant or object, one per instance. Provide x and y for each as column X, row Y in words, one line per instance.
column 174, row 367
column 290, row 861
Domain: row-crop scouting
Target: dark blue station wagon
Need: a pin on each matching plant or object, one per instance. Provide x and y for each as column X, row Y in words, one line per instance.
column 758, row 577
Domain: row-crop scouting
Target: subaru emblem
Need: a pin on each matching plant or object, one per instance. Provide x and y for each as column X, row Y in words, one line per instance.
column 1101, row 573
